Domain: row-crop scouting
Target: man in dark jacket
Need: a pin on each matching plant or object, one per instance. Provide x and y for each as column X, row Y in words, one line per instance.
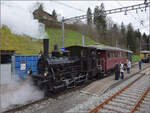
column 117, row 71
column 140, row 64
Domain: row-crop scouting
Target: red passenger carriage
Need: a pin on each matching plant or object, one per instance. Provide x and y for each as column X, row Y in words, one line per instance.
column 109, row 56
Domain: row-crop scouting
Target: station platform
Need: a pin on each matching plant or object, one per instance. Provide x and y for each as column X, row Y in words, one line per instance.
column 100, row 86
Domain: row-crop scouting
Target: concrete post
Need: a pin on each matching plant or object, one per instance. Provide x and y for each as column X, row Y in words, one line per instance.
column 116, row 43
column 82, row 40
column 62, row 32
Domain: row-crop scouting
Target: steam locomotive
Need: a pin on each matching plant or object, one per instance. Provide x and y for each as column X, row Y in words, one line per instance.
column 75, row 65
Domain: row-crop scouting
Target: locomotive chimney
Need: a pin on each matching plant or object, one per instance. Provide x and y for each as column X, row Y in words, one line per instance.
column 45, row 46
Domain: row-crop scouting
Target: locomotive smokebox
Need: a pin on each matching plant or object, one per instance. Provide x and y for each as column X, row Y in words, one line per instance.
column 46, row 46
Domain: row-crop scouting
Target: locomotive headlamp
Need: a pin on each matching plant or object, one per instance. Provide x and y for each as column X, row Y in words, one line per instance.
column 46, row 73
column 28, row 71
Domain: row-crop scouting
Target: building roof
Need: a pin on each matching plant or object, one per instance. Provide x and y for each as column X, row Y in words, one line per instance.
column 102, row 47
column 40, row 14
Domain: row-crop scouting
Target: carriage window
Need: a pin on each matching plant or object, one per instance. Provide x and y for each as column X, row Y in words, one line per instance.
column 145, row 55
column 112, row 55
column 98, row 62
column 109, row 55
column 116, row 54
column 124, row 54
column 120, row 54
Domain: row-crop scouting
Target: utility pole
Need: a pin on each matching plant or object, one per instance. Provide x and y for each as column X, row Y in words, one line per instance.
column 128, row 47
column 62, row 32
column 116, row 43
column 82, row 40
column 140, row 44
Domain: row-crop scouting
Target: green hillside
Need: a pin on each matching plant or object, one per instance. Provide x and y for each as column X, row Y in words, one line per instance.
column 27, row 45
column 71, row 38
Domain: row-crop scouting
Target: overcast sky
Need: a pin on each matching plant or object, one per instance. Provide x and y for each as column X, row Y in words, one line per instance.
column 20, row 11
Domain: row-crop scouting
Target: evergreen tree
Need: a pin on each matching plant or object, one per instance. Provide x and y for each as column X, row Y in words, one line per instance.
column 96, row 17
column 123, row 29
column 115, row 28
column 54, row 15
column 138, row 34
column 123, row 34
column 89, row 16
column 146, row 41
column 41, row 6
column 100, row 17
column 131, row 39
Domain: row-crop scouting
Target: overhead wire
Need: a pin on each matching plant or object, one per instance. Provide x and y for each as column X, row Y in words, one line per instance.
column 57, row 2
column 131, row 14
column 122, row 6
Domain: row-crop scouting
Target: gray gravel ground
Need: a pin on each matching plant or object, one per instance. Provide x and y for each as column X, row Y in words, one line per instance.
column 93, row 101
column 63, row 103
column 73, row 102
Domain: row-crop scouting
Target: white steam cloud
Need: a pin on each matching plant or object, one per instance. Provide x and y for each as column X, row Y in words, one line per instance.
column 18, row 16
column 18, row 92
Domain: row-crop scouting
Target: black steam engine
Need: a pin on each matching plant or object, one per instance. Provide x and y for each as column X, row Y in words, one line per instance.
column 64, row 70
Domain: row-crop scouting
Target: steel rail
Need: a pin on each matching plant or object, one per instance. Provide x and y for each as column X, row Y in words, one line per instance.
column 139, row 100
column 95, row 109
column 54, row 98
column 24, row 106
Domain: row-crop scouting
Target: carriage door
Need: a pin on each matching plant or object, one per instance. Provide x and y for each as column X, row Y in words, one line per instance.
column 103, row 60
column 144, row 55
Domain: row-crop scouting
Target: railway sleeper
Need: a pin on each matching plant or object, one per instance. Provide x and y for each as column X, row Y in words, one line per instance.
column 130, row 96
column 115, row 109
column 122, row 102
column 132, row 93
column 119, row 105
column 126, row 100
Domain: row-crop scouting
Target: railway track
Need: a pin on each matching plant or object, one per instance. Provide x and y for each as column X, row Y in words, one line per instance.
column 22, row 107
column 128, row 98
column 54, row 98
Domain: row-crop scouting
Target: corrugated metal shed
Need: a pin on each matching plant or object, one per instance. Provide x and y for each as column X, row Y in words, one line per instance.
column 6, row 66
column 23, row 62
column 5, row 73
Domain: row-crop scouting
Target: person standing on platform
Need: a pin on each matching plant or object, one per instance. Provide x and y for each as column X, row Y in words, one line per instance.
column 140, row 64
column 117, row 71
column 122, row 70
column 149, row 58
column 128, row 66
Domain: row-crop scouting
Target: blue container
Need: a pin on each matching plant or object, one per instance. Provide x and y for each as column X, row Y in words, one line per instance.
column 23, row 62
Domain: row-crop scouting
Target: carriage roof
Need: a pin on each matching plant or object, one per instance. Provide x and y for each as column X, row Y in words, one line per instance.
column 102, row 47
column 99, row 47
column 145, row 51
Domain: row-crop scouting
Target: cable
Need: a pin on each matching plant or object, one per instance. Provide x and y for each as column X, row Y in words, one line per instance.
column 133, row 16
column 69, row 6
